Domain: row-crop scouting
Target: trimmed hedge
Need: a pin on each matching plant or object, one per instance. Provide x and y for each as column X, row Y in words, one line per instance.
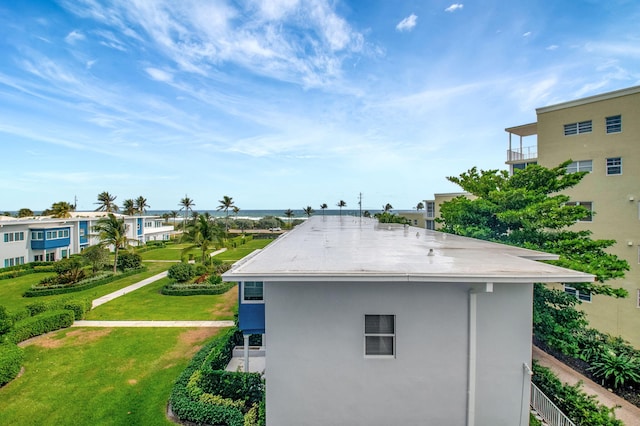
column 48, row 291
column 195, row 289
column 25, row 269
column 11, row 358
column 40, row 324
column 79, row 306
column 195, row 397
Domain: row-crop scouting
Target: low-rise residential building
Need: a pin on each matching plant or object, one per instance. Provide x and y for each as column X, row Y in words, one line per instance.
column 379, row 324
column 600, row 134
column 44, row 238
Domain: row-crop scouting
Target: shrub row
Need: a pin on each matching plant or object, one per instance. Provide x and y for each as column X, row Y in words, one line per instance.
column 79, row 306
column 581, row 408
column 204, row 394
column 26, row 269
column 40, row 324
column 195, row 289
column 82, row 285
column 11, row 358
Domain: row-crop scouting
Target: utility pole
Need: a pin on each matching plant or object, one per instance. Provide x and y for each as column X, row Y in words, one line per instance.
column 360, row 203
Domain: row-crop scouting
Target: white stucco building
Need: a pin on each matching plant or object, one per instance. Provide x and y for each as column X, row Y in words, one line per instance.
column 378, row 324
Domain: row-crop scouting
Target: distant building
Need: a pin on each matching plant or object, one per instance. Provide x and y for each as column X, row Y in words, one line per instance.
column 385, row 324
column 43, row 238
column 601, row 135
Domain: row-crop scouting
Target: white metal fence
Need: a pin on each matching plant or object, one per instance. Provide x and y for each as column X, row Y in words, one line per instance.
column 547, row 409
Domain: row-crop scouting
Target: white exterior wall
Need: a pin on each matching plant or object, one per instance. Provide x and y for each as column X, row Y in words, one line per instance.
column 317, row 374
column 14, row 249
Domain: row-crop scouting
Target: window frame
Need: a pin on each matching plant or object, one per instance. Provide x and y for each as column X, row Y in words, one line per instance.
column 609, row 162
column 250, row 301
column 580, row 166
column 587, row 205
column 613, row 124
column 379, row 334
column 583, row 297
column 578, row 128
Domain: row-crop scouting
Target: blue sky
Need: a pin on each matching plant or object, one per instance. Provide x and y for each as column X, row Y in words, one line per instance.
column 283, row 103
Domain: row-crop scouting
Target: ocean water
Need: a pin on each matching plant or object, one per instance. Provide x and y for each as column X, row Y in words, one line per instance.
column 257, row 214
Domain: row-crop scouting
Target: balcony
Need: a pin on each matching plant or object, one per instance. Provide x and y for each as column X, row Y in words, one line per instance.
column 522, row 154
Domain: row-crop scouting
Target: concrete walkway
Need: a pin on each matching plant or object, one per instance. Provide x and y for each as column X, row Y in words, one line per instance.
column 627, row 412
column 108, row 297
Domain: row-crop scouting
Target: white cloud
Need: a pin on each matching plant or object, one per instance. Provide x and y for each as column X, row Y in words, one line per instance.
column 407, row 23
column 527, row 34
column 90, row 64
column 159, row 75
column 454, row 7
column 552, row 47
column 74, row 36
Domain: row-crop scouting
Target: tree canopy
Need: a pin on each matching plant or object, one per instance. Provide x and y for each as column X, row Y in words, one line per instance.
column 528, row 210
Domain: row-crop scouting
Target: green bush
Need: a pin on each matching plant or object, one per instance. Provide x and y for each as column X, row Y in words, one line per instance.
column 195, row 397
column 616, row 369
column 581, row 408
column 40, row 324
column 20, row 314
column 92, row 282
column 181, row 272
column 195, row 289
column 11, row 358
column 129, row 261
column 5, row 321
column 79, row 306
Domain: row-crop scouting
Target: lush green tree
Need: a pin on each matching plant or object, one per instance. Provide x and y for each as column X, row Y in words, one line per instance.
column 61, row 209
column 141, row 205
column 24, row 212
column 204, row 233
column 420, row 206
column 187, row 204
column 323, row 207
column 112, row 231
column 341, row 204
column 528, row 210
column 366, row 213
column 225, row 204
column 128, row 261
column 106, row 203
column 388, row 217
column 236, row 210
column 181, row 272
column 97, row 256
column 308, row 211
column 173, row 214
column 129, row 207
column 268, row 222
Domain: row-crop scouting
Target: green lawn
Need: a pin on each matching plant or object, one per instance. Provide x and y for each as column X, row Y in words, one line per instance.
column 147, row 303
column 171, row 252
column 233, row 255
column 113, row 376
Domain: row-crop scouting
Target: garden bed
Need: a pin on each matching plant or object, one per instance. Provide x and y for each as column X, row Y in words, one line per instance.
column 629, row 393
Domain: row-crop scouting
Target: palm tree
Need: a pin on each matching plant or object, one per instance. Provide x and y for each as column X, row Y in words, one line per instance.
column 112, row 231
column 128, row 207
column 308, row 211
column 323, row 206
column 174, row 215
column 225, row 204
column 387, row 207
column 106, row 202
column 203, row 233
column 341, row 204
column 289, row 213
column 420, row 206
column 141, row 205
column 187, row 204
column 61, row 209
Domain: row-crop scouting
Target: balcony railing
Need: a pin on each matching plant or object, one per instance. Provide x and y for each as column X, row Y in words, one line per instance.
column 526, row 153
column 549, row 412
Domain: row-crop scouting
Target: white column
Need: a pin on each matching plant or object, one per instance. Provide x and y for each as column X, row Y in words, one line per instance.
column 246, row 352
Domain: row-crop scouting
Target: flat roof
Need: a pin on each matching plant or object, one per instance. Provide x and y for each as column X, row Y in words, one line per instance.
column 590, row 99
column 523, row 130
column 346, row 248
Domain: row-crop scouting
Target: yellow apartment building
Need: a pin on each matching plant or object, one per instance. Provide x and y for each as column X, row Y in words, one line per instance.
column 601, row 135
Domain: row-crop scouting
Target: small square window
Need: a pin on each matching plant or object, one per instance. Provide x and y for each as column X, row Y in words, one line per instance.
column 578, row 128
column 379, row 335
column 583, row 296
column 614, row 124
column 580, row 166
column 614, row 166
column 253, row 291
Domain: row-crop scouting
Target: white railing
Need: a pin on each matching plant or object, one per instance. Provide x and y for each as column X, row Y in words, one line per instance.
column 526, row 153
column 549, row 412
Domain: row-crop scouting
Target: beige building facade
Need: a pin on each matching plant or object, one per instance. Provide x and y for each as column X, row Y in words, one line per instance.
column 601, row 135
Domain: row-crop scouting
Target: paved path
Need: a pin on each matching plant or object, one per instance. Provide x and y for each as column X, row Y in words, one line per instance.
column 134, row 323
column 108, row 297
column 628, row 413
